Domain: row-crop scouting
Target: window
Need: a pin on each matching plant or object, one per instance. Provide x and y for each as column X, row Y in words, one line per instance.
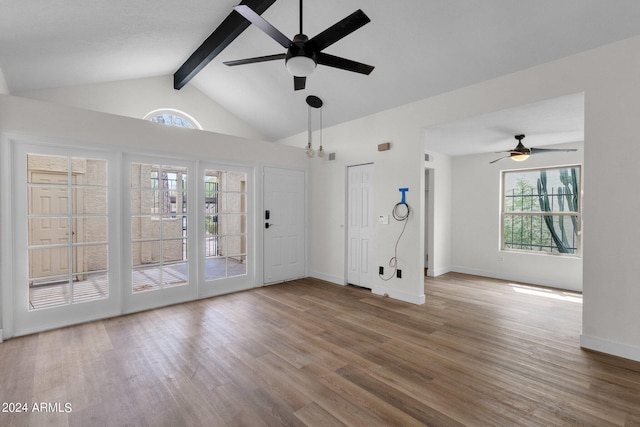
column 173, row 118
column 158, row 226
column 68, row 230
column 225, row 221
column 541, row 210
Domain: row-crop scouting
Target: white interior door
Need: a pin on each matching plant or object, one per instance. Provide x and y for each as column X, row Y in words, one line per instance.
column 284, row 233
column 360, row 267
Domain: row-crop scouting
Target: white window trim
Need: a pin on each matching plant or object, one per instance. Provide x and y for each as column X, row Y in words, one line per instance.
column 578, row 253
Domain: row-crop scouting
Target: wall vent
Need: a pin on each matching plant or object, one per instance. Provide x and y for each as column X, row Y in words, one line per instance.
column 332, row 156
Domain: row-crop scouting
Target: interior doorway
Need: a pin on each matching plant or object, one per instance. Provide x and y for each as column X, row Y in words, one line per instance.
column 428, row 218
column 360, row 225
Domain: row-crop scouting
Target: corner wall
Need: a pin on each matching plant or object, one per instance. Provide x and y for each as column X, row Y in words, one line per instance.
column 356, row 143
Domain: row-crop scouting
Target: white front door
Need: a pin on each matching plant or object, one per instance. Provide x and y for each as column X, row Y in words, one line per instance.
column 360, row 269
column 283, row 222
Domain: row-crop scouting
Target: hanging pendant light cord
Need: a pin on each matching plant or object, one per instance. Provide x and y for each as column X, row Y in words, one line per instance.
column 309, row 125
column 320, row 128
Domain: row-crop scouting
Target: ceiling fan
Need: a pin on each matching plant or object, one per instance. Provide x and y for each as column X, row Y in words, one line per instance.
column 304, row 54
column 521, row 152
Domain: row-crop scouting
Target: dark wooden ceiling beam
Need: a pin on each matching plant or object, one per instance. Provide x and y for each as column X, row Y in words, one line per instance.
column 232, row 26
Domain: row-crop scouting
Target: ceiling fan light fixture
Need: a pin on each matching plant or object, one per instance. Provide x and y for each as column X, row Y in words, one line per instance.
column 520, row 157
column 300, row 66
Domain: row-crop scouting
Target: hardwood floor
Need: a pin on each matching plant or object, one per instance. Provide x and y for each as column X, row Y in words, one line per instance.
column 480, row 352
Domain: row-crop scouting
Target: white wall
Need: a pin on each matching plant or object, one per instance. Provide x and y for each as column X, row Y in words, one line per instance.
column 476, row 215
column 609, row 78
column 136, row 98
column 4, row 88
column 356, row 143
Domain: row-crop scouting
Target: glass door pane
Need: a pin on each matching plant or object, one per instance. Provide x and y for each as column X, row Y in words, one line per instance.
column 225, row 223
column 158, row 200
column 67, row 230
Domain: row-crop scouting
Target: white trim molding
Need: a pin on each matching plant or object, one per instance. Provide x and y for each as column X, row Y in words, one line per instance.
column 399, row 295
column 328, row 278
column 602, row 345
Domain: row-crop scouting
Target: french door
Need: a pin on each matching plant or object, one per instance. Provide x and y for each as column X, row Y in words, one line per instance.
column 159, row 243
column 65, row 235
column 89, row 234
column 225, row 229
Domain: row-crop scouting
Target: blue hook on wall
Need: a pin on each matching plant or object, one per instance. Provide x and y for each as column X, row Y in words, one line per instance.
column 404, row 192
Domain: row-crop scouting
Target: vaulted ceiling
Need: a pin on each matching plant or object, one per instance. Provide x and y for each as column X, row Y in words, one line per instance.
column 420, row 48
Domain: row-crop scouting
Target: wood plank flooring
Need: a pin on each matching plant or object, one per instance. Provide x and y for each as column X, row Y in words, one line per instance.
column 480, row 352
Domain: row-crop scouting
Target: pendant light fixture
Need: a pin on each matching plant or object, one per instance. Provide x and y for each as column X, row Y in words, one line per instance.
column 314, row 102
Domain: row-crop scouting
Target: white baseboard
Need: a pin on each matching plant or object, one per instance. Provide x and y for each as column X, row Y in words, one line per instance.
column 435, row 272
column 328, row 278
column 399, row 295
column 514, row 278
column 610, row 347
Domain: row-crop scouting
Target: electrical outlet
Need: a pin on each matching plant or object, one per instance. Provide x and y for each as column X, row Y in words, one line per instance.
column 399, row 274
column 381, row 270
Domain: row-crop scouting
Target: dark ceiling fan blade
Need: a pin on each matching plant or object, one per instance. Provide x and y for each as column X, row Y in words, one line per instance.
column 493, row 161
column 265, row 26
column 299, row 82
column 232, row 26
column 344, row 64
column 340, row 29
column 256, row 59
column 546, row 150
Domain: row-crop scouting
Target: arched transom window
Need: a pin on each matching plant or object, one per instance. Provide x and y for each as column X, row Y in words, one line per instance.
column 173, row 117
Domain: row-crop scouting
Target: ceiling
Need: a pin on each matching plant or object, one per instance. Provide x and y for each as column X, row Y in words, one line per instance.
column 553, row 121
column 419, row 48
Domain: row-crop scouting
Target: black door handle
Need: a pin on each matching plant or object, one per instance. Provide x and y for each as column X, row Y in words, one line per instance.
column 266, row 225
